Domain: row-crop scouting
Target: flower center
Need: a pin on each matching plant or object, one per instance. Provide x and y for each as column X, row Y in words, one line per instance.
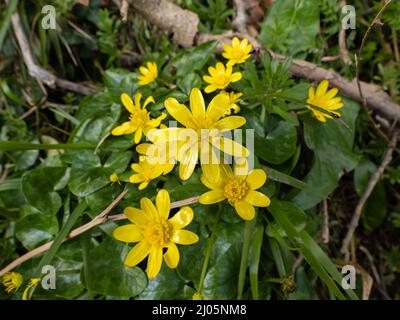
column 221, row 79
column 140, row 118
column 235, row 190
column 158, row 233
column 237, row 54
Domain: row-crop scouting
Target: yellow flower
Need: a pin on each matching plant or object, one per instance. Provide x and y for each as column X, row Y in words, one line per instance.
column 139, row 120
column 220, row 77
column 33, row 282
column 204, row 128
column 114, row 178
column 149, row 74
column 12, row 281
column 233, row 99
column 154, row 232
column 147, row 171
column 197, row 296
column 238, row 189
column 325, row 100
column 238, row 52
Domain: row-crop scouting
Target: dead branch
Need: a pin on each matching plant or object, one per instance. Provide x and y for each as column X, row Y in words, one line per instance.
column 344, row 53
column 325, row 222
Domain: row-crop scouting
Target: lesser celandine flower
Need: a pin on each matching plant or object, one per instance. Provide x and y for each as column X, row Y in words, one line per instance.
column 238, row 52
column 324, row 99
column 155, row 232
column 238, row 188
column 205, row 127
column 147, row 170
column 149, row 73
column 233, row 99
column 139, row 120
column 220, row 77
column 12, row 281
column 32, row 283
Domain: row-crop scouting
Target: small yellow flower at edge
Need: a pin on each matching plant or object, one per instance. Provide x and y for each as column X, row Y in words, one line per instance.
column 12, row 281
column 114, row 178
column 146, row 171
column 233, row 99
column 197, row 296
column 33, row 282
column 139, row 120
column 238, row 189
column 220, row 77
column 324, row 99
column 149, row 74
column 153, row 231
column 238, row 52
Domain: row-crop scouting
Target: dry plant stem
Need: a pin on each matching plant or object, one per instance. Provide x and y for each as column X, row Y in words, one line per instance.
column 35, row 70
column 325, row 222
column 103, row 217
column 358, row 62
column 370, row 187
column 375, row 97
column 395, row 45
column 344, row 53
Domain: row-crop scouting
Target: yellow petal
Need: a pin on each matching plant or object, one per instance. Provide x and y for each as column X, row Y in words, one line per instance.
column 230, row 146
column 138, row 135
column 163, row 203
column 136, row 178
column 182, row 218
column 137, row 254
column 128, row 233
column 311, row 93
column 197, row 104
column 230, row 123
column 188, row 162
column 211, row 184
column 245, row 210
column 127, row 102
column 210, row 88
column 148, row 208
column 256, row 179
column 331, row 93
column 211, row 197
column 184, row 237
column 143, row 185
column 179, row 112
column 236, row 76
column 125, row 128
column 172, row 256
column 217, row 107
column 149, row 99
column 136, row 216
column 257, row 199
column 155, row 261
column 322, row 88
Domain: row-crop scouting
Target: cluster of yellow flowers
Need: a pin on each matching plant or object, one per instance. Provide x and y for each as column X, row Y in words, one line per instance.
column 12, row 281
column 151, row 226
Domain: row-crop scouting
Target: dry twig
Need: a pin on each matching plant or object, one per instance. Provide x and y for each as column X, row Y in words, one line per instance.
column 370, row 187
column 325, row 222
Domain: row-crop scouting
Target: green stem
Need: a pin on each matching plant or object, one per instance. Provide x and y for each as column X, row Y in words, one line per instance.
column 248, row 230
column 211, row 241
column 16, row 145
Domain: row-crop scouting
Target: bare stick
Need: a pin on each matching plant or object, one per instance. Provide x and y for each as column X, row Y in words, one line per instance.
column 35, row 70
column 370, row 187
column 358, row 63
column 325, row 222
column 103, row 217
